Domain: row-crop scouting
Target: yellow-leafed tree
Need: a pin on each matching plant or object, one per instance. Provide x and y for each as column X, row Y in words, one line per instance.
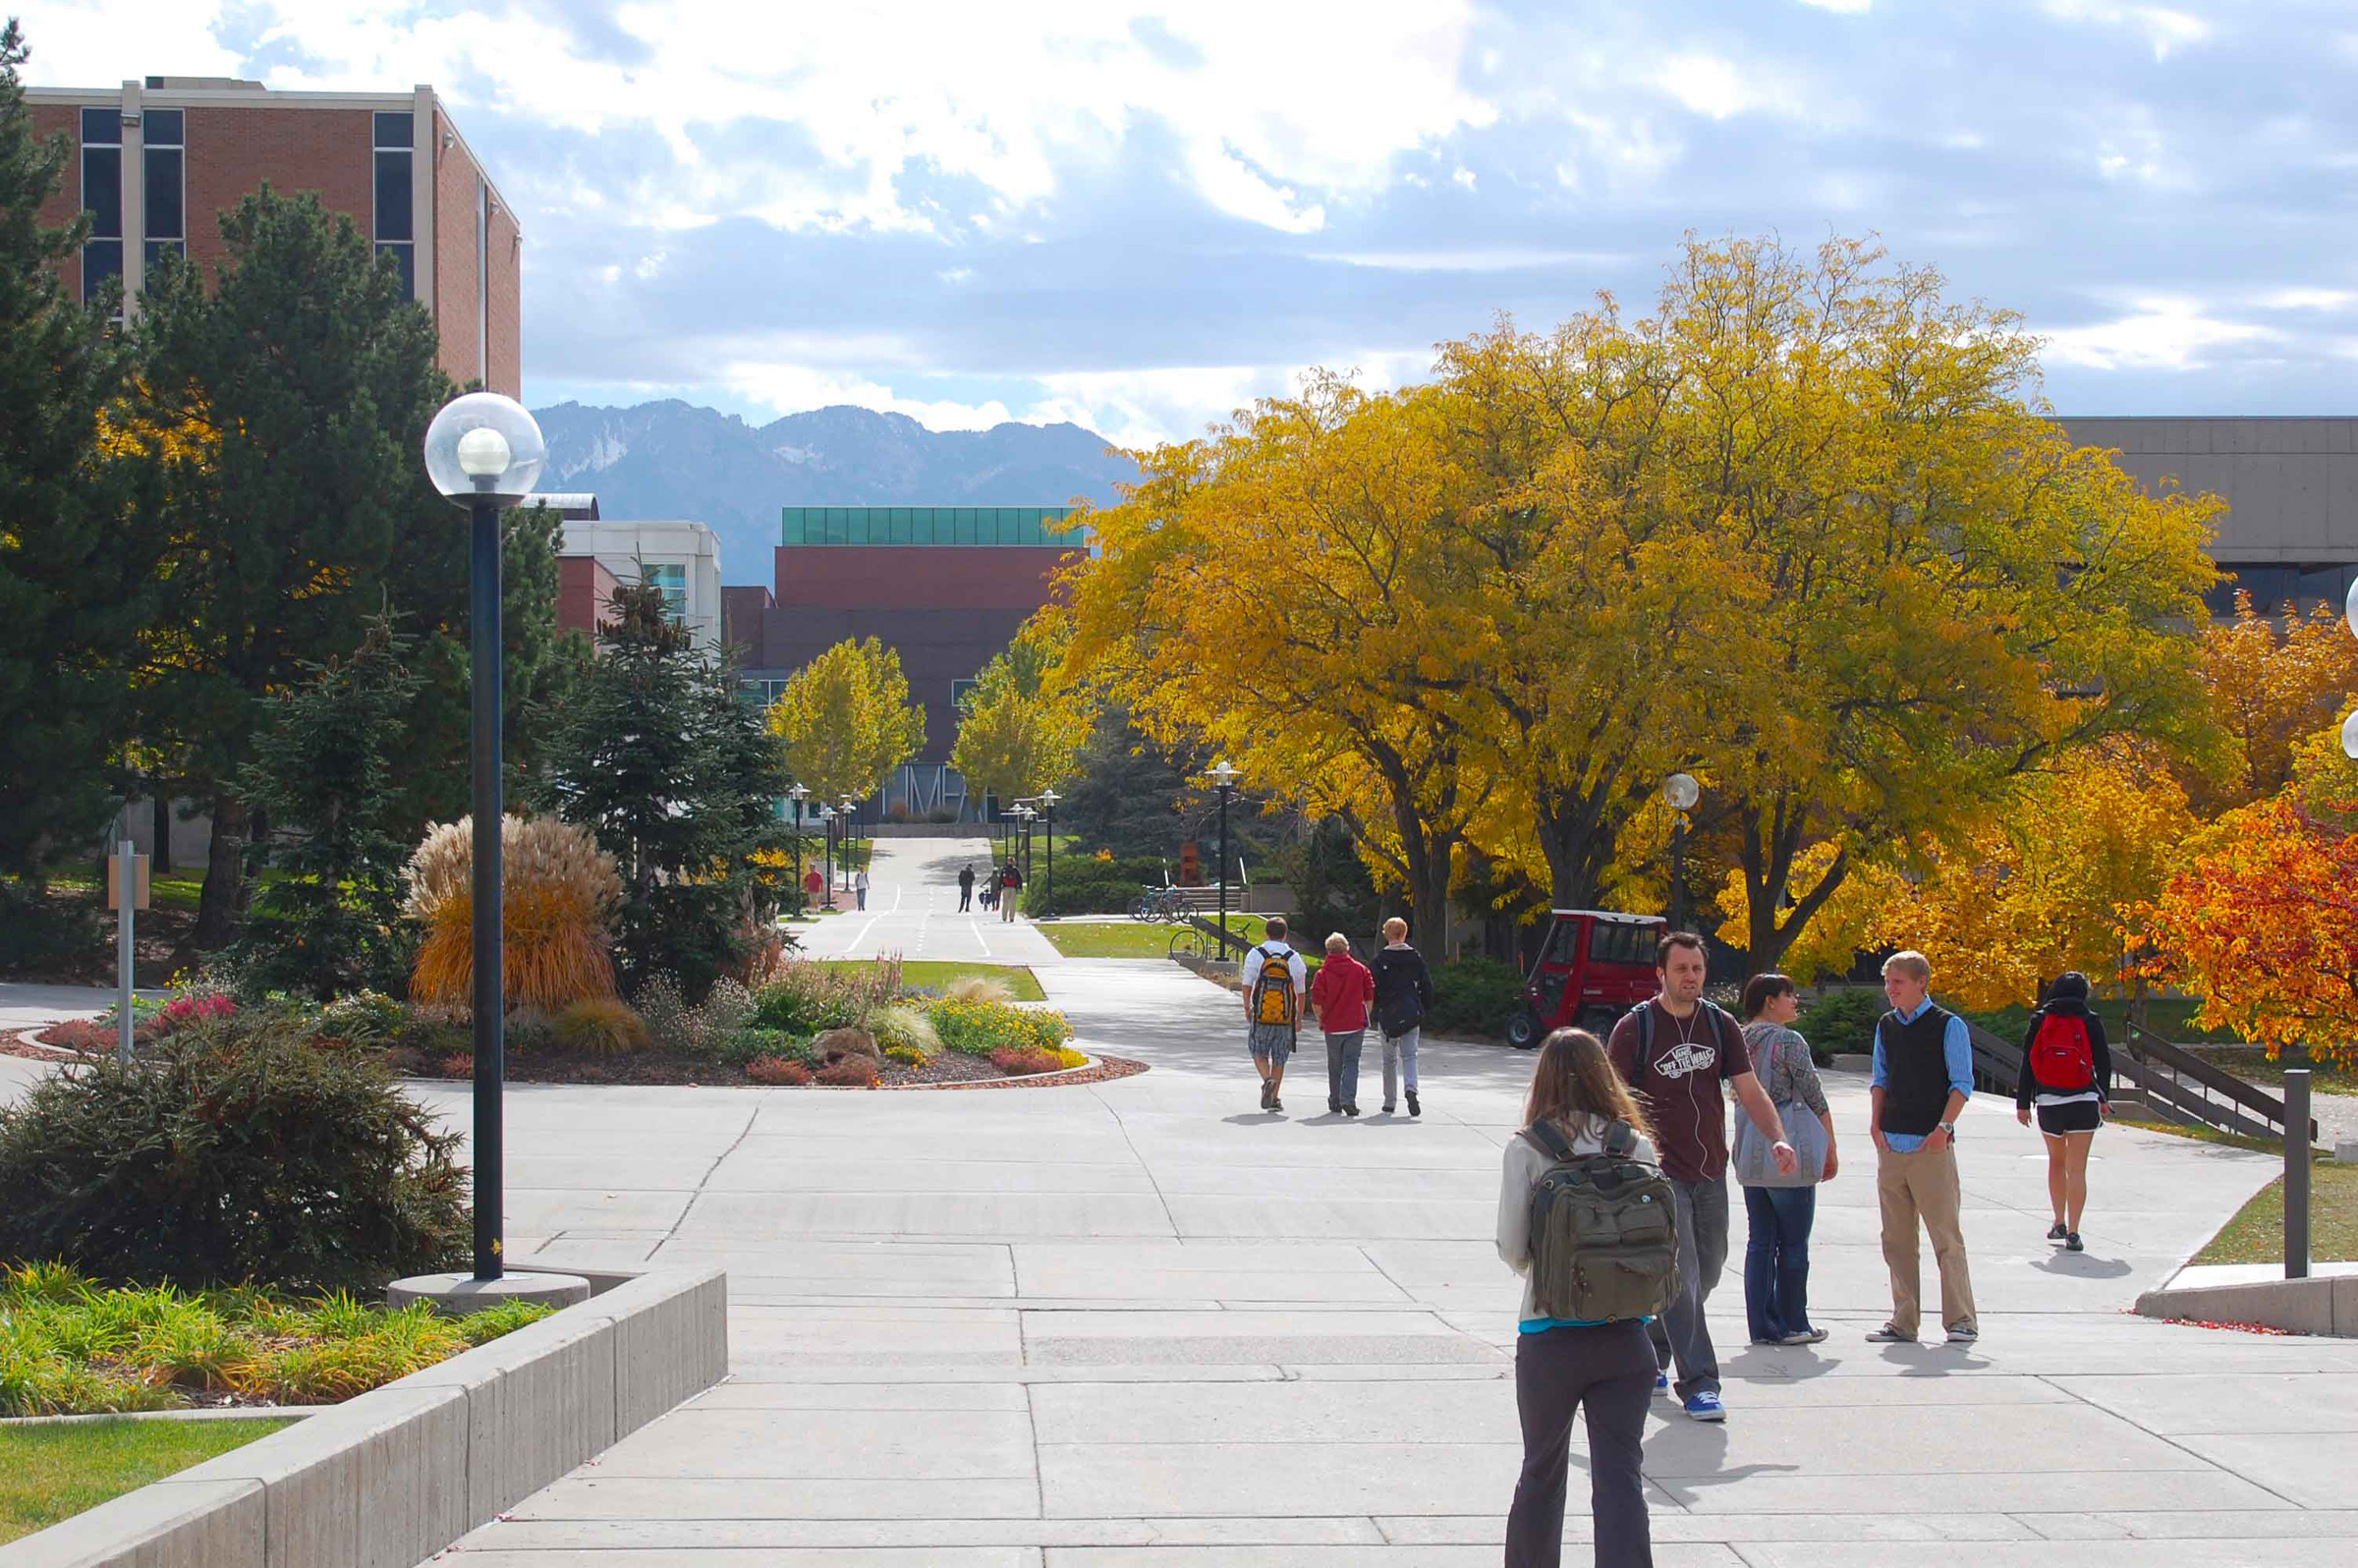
column 1022, row 727
column 847, row 720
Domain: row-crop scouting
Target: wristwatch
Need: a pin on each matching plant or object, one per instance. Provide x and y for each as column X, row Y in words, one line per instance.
column 1950, row 1131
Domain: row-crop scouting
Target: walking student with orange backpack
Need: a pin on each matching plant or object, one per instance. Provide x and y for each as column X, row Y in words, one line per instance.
column 2067, row 1073
column 1275, row 981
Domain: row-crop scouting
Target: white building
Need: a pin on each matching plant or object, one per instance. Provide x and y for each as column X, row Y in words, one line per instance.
column 680, row 557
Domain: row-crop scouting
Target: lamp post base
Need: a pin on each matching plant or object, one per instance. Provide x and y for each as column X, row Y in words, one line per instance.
column 457, row 1295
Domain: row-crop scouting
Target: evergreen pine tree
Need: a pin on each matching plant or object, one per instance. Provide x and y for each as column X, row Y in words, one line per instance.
column 325, row 770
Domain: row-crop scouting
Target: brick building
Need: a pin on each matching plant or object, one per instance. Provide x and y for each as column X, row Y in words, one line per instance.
column 946, row 586
column 156, row 160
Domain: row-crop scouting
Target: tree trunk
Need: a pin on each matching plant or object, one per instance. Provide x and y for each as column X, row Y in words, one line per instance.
column 223, row 894
column 161, row 861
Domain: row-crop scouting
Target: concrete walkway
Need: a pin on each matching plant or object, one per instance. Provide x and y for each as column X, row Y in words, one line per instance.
column 1143, row 1325
column 912, row 910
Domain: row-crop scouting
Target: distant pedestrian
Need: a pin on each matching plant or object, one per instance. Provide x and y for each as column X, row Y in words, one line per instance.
column 1274, row 979
column 1340, row 996
column 1597, row 1362
column 1923, row 1078
column 1011, row 885
column 1780, row 1209
column 1403, row 996
column 966, row 888
column 1676, row 1051
column 2067, row 1073
column 860, row 885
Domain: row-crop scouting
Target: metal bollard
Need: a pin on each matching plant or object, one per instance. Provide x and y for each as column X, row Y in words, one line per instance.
column 2296, row 1173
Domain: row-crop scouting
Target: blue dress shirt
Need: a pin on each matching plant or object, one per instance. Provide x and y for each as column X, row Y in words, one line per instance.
column 1956, row 1053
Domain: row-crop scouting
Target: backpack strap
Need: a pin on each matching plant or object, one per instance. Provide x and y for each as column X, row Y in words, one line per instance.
column 1645, row 1031
column 1620, row 1140
column 1550, row 1139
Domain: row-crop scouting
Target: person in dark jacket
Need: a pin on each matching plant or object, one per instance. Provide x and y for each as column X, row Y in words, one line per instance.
column 966, row 888
column 1403, row 996
column 2073, row 1107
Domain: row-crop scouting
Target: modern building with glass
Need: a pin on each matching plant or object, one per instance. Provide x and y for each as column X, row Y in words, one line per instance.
column 946, row 586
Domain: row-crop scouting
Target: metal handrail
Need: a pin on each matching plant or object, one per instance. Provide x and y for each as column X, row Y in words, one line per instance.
column 2176, row 1083
column 2149, row 1048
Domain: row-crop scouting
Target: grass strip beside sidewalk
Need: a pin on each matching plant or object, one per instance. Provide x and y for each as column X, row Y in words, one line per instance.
column 51, row 1472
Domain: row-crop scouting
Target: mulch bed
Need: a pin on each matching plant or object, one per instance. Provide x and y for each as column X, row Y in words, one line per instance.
column 949, row 1070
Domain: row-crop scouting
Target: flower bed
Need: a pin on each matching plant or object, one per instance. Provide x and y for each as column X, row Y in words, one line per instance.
column 70, row 1347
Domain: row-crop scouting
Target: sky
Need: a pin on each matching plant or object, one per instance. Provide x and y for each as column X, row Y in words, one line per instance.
column 1141, row 218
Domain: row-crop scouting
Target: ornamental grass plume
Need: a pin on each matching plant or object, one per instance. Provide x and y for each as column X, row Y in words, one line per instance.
column 560, row 895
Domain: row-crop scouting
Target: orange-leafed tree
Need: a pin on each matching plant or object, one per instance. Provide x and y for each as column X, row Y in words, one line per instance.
column 2263, row 923
column 2268, row 685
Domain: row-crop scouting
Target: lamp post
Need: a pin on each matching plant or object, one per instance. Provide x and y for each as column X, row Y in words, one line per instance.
column 484, row 453
column 849, row 810
column 1023, row 815
column 1680, row 792
column 1047, row 813
column 1223, row 778
column 798, row 795
column 827, row 822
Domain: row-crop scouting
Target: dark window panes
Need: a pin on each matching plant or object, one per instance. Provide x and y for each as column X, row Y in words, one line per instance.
column 163, row 215
column 103, row 128
column 100, row 260
column 393, row 218
column 405, row 256
column 102, row 191
column 161, row 127
column 396, row 130
column 156, row 251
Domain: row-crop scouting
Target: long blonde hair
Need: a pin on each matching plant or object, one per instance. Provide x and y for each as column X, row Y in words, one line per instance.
column 1574, row 1078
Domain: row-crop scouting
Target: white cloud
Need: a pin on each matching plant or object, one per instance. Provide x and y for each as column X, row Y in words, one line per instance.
column 2307, row 299
column 792, row 388
column 956, row 275
column 2163, row 28
column 1719, row 89
column 1503, row 259
column 2163, row 334
column 77, row 44
column 1849, row 8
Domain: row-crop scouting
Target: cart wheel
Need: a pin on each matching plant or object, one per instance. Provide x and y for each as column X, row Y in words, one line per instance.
column 1523, row 1032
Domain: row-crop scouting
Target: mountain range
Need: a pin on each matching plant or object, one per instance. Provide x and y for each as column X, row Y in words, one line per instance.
column 675, row 459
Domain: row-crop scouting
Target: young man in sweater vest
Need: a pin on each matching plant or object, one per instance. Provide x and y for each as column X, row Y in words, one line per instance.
column 1923, row 1078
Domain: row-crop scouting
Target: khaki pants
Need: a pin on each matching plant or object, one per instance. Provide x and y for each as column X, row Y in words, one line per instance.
column 1922, row 1186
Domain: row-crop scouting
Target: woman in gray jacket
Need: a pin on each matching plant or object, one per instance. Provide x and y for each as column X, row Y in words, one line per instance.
column 1561, row 1365
column 1776, row 1255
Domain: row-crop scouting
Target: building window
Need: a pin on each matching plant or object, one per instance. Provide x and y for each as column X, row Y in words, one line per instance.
column 163, row 164
column 959, row 691
column 396, row 218
column 101, row 199
column 673, row 581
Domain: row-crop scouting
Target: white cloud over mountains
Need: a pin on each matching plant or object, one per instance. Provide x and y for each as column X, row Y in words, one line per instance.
column 1138, row 217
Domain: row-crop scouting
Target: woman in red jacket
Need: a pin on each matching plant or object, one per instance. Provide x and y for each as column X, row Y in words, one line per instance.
column 1339, row 997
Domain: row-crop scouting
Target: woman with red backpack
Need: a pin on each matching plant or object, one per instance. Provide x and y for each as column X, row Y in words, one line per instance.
column 2068, row 1075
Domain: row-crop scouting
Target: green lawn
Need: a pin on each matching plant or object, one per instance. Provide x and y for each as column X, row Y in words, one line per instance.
column 174, row 890
column 2255, row 1235
column 52, row 1473
column 1019, row 980
column 1129, row 938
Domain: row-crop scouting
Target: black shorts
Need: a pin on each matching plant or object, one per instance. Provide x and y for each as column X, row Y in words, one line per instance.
column 2079, row 1116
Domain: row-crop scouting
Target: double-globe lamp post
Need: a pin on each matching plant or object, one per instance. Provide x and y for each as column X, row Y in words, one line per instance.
column 484, row 452
column 1048, row 818
column 798, row 794
column 1223, row 778
column 827, row 822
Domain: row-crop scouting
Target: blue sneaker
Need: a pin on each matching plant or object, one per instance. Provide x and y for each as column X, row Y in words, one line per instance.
column 1661, row 1382
column 1705, row 1405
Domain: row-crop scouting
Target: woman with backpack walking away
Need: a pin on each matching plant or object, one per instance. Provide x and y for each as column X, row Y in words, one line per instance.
column 1583, row 1344
column 2067, row 1073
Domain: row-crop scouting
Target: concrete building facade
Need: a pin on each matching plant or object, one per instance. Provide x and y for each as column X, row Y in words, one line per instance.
column 156, row 161
column 2290, row 530
column 682, row 558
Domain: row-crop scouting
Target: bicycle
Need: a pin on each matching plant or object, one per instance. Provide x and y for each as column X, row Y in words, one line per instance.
column 1155, row 904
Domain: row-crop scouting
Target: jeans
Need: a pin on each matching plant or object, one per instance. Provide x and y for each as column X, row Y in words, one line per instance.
column 1776, row 1259
column 863, row 893
column 1680, row 1335
column 966, row 899
column 1342, row 1067
column 1608, row 1372
column 1399, row 1056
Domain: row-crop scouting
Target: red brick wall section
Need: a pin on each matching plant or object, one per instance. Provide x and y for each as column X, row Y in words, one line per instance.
column 456, row 300
column 917, row 576
column 233, row 151
column 584, row 586
column 507, row 305
column 65, row 203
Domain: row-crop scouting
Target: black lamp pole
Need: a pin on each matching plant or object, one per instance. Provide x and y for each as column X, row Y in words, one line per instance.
column 1226, row 789
column 490, row 1008
column 1678, row 873
column 827, row 821
column 1048, row 888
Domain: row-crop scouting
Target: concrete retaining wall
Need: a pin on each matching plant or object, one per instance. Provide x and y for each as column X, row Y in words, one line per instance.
column 2324, row 1306
column 393, row 1477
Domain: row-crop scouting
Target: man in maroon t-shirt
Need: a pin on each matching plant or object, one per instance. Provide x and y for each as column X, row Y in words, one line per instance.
column 1676, row 1051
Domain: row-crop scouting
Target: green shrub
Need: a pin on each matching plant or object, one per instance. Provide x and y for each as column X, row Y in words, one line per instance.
column 749, row 1045
column 43, row 935
column 904, row 1030
column 1841, row 1022
column 365, row 1018
column 976, row 1029
column 1473, row 996
column 1086, row 885
column 804, row 998
column 236, row 1152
